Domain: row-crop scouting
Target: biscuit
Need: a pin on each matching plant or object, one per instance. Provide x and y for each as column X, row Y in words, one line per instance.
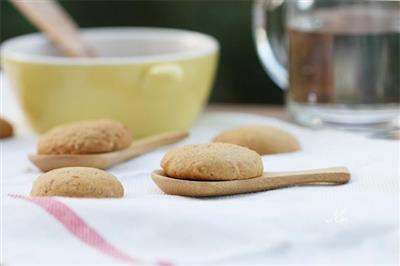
column 6, row 129
column 85, row 137
column 80, row 182
column 213, row 161
column 262, row 139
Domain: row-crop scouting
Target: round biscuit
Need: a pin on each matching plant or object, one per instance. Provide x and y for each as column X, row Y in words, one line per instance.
column 85, row 137
column 213, row 161
column 81, row 182
column 262, row 139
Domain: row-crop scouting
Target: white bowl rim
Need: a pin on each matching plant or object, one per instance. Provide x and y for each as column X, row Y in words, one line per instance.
column 211, row 45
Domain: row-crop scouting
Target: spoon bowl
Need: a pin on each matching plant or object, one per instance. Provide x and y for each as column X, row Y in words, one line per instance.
column 269, row 180
column 47, row 162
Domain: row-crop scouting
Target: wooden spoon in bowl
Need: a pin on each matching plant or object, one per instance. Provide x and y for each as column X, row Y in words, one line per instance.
column 49, row 17
column 105, row 160
column 192, row 188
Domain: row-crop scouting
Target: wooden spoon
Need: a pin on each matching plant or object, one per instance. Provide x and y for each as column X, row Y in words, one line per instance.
column 50, row 18
column 174, row 186
column 105, row 160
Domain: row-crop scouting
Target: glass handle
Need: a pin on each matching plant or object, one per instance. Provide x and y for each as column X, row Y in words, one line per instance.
column 264, row 21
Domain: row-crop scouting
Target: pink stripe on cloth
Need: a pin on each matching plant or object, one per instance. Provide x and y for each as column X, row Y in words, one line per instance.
column 79, row 228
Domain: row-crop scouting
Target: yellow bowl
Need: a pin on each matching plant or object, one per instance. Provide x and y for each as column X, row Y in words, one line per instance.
column 151, row 79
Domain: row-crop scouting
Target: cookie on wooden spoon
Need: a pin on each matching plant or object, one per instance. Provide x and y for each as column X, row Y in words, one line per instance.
column 98, row 143
column 212, row 161
column 219, row 169
column 85, row 137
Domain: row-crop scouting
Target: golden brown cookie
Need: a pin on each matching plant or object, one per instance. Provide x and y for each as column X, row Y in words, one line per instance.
column 6, row 129
column 80, row 182
column 262, row 139
column 213, row 161
column 85, row 137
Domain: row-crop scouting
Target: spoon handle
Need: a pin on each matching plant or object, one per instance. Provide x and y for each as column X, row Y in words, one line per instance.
column 271, row 180
column 193, row 188
column 333, row 175
column 49, row 17
column 150, row 143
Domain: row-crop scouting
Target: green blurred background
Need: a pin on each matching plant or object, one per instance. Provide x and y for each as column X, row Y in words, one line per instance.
column 240, row 79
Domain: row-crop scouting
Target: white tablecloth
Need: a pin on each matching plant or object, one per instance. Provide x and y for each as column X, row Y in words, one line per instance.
column 357, row 223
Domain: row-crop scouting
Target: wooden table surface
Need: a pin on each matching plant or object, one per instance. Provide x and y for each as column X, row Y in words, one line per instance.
column 276, row 111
